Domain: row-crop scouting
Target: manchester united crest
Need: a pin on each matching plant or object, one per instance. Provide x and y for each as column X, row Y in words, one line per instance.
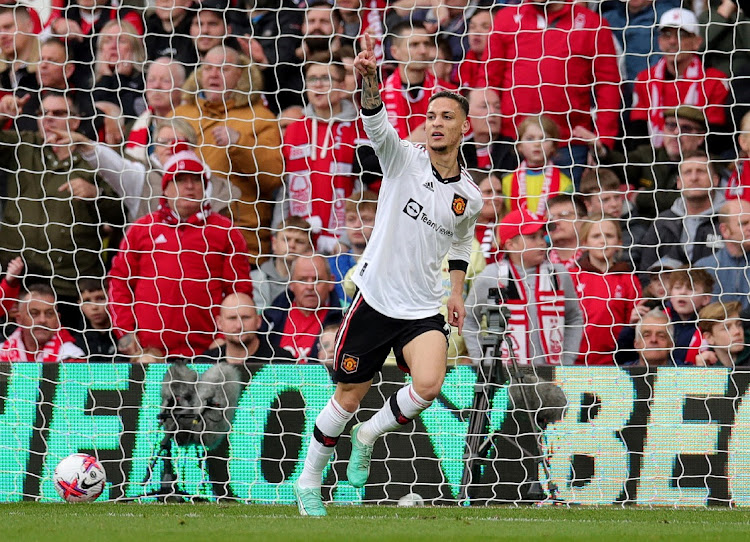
column 459, row 205
column 349, row 364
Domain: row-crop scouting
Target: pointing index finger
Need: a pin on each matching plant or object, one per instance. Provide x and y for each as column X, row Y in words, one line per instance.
column 368, row 44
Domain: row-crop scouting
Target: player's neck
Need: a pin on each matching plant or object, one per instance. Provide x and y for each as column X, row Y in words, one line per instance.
column 445, row 163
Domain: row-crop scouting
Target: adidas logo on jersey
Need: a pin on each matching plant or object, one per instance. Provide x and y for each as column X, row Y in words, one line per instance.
column 429, row 186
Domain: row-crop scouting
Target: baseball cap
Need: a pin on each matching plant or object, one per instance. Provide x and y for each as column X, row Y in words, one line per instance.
column 519, row 222
column 184, row 162
column 683, row 19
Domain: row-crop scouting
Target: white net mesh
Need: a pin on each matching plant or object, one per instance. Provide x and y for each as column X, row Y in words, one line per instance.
column 193, row 181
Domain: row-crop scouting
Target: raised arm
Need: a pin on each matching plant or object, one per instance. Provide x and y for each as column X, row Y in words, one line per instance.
column 367, row 66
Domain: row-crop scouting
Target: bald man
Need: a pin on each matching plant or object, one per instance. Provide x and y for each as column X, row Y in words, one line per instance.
column 239, row 322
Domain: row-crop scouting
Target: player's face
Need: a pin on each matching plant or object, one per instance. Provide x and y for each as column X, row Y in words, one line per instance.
column 38, row 319
column 446, row 125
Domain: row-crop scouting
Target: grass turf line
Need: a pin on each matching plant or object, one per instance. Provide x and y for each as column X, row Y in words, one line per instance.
column 37, row 522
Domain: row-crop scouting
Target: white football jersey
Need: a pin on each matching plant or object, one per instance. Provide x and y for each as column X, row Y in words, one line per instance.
column 420, row 219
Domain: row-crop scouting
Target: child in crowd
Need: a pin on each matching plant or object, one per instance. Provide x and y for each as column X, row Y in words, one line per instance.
column 537, row 179
column 688, row 291
column 327, row 344
column 97, row 339
column 722, row 330
column 608, row 288
column 290, row 240
column 359, row 219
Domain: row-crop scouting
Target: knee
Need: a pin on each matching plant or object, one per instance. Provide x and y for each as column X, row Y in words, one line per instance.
column 348, row 399
column 428, row 389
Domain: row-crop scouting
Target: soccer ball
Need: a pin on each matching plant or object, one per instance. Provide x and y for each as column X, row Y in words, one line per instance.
column 79, row 478
column 411, row 499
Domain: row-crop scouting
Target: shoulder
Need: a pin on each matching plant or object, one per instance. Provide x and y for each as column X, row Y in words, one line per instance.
column 219, row 221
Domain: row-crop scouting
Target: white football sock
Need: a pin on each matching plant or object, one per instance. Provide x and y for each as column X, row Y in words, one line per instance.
column 400, row 409
column 329, row 424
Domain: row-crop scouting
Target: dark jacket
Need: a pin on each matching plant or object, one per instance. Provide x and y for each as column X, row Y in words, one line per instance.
column 176, row 44
column 58, row 236
column 275, row 317
column 665, row 238
column 502, row 156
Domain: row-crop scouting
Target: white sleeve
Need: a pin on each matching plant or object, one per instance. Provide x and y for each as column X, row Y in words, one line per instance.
column 393, row 152
column 462, row 242
column 126, row 177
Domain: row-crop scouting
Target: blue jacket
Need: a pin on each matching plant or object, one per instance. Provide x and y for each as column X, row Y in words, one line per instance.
column 732, row 276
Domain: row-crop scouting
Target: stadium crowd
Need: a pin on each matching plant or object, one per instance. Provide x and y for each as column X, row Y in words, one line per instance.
column 191, row 178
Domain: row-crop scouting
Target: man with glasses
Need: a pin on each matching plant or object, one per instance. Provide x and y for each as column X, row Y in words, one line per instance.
column 679, row 78
column 566, row 214
column 319, row 151
column 58, row 205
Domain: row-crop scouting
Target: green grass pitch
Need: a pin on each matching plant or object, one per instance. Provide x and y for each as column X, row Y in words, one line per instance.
column 35, row 522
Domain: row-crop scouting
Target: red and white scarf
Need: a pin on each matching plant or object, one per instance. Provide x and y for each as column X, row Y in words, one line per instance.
column 60, row 348
column 519, row 189
column 550, row 309
column 657, row 86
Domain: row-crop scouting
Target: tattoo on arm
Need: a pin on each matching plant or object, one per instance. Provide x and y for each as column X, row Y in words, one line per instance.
column 370, row 93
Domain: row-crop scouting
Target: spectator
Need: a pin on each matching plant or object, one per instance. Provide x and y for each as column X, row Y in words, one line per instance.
column 537, row 179
column 164, row 79
column 725, row 29
column 119, row 60
column 483, row 147
column 80, row 22
column 238, row 322
column 10, row 286
column 55, row 72
column 545, row 322
column 689, row 230
column 210, row 28
column 634, row 25
column 273, row 36
column 407, row 91
column 730, row 266
column 608, row 288
column 654, row 340
column 239, row 138
column 19, row 52
column 51, row 183
column 168, row 32
column 320, row 31
column 471, row 66
column 565, row 215
column 493, row 210
column 739, row 182
column 444, row 67
column 290, row 240
column 688, row 291
column 139, row 183
column 359, row 17
column 603, row 194
column 39, row 336
column 552, row 58
column 327, row 345
column 653, row 171
column 723, row 331
column 97, row 339
column 679, row 78
column 174, row 267
column 319, row 151
column 297, row 317
column 656, row 291
column 359, row 220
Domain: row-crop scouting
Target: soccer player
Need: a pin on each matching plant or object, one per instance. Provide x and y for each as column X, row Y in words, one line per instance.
column 427, row 208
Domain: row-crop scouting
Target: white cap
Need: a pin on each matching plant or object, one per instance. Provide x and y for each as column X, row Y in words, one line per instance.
column 683, row 19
